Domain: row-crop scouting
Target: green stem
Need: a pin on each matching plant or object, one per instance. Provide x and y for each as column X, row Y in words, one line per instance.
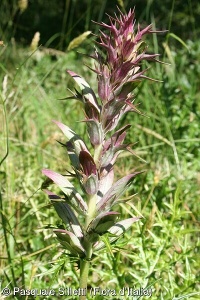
column 91, row 210
column 85, row 263
column 84, row 270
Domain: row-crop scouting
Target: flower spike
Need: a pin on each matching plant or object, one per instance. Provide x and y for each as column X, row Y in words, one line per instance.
column 86, row 208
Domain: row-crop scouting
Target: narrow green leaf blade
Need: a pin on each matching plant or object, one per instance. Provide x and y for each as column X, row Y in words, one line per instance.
column 107, row 244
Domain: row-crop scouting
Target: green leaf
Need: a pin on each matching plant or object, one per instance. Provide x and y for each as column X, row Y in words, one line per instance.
column 106, row 241
column 178, row 39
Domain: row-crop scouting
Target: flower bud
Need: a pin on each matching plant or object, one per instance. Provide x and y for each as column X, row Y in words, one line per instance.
column 95, row 132
column 91, row 184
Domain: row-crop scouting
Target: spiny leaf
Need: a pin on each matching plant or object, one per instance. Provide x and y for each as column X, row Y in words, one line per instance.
column 67, row 189
column 74, row 144
column 70, row 240
column 103, row 222
column 116, row 231
column 113, row 146
column 106, row 181
column 72, row 137
column 87, row 93
column 115, row 192
column 65, row 212
column 66, row 244
column 120, row 227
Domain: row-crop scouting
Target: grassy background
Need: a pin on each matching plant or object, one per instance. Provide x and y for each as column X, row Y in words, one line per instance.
column 162, row 250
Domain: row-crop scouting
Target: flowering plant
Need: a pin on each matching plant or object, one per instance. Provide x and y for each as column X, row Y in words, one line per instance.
column 118, row 67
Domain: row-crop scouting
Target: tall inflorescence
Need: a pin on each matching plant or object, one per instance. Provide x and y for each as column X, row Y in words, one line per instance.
column 118, row 57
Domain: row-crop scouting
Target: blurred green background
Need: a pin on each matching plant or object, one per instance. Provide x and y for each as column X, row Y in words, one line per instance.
column 60, row 21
